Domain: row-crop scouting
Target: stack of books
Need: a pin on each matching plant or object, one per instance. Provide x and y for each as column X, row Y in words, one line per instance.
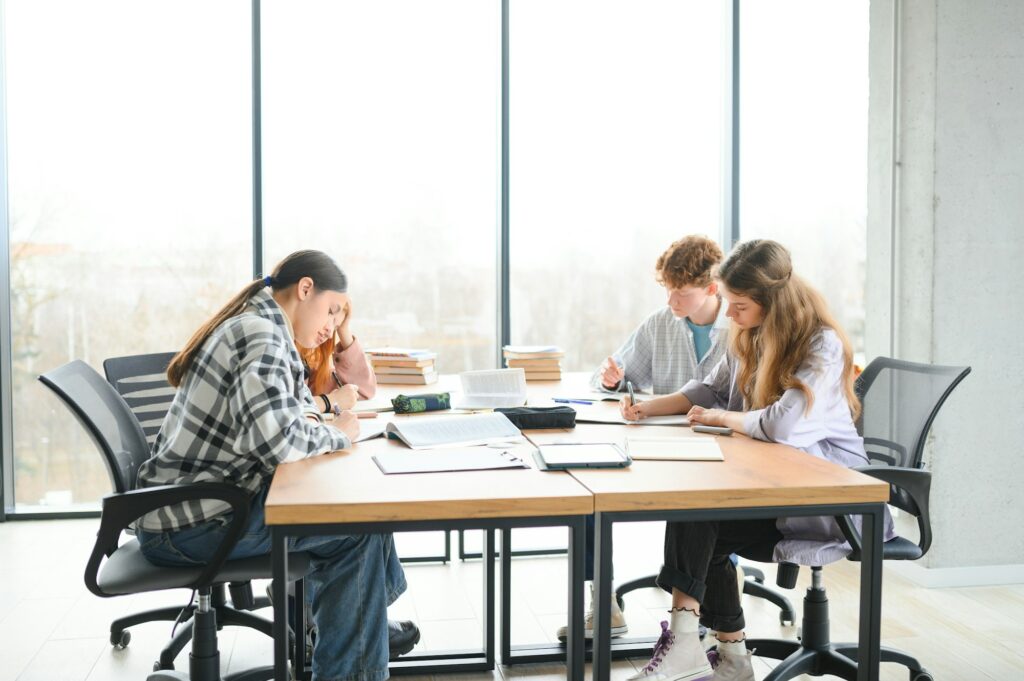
column 404, row 366
column 541, row 362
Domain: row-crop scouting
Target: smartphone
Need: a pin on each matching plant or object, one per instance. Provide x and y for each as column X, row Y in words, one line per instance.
column 714, row 430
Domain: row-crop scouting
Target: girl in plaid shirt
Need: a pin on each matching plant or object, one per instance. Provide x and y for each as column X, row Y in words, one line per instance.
column 241, row 409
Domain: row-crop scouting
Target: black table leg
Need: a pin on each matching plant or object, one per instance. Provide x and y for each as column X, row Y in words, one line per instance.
column 601, row 651
column 574, row 660
column 868, row 655
column 279, row 571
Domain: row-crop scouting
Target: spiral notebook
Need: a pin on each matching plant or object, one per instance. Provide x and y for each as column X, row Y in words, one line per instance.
column 445, row 460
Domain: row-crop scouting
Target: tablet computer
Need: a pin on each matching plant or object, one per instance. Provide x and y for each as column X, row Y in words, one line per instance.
column 557, row 457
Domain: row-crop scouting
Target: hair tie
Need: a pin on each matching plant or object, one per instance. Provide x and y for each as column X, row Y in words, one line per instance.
column 268, row 281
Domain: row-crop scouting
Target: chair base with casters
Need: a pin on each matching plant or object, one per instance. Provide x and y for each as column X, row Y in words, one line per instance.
column 752, row 586
column 814, row 653
column 128, row 571
column 227, row 614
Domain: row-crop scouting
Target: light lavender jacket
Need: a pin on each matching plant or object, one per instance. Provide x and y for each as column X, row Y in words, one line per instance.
column 827, row 431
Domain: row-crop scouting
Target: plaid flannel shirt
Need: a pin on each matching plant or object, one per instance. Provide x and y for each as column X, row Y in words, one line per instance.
column 240, row 411
column 660, row 354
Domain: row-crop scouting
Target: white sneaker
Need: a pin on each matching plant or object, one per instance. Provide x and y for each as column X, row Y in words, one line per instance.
column 619, row 627
column 732, row 667
column 677, row 657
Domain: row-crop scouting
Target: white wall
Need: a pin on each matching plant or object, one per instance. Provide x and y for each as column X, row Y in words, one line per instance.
column 957, row 242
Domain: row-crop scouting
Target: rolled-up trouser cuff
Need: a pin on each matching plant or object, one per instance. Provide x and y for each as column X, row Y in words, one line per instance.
column 669, row 578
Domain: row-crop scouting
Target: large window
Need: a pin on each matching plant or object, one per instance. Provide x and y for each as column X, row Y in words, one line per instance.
column 381, row 147
column 617, row 122
column 130, row 194
column 803, row 141
column 130, row 177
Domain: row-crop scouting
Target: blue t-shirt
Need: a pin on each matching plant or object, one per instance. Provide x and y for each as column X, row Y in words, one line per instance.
column 701, row 337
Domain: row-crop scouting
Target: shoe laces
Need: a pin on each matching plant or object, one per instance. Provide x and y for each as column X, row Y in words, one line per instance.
column 665, row 642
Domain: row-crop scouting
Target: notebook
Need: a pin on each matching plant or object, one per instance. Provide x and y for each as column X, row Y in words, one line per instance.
column 442, row 460
column 556, row 457
column 431, row 432
column 490, row 389
column 681, row 448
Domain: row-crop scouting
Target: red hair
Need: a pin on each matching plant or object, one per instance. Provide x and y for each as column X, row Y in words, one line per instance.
column 321, row 379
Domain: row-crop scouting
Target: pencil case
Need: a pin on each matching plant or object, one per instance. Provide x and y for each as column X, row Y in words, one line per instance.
column 539, row 418
column 414, row 404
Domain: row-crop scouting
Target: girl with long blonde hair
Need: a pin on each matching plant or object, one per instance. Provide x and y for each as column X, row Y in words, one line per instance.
column 787, row 378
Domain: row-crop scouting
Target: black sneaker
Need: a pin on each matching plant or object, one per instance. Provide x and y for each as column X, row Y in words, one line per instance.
column 403, row 635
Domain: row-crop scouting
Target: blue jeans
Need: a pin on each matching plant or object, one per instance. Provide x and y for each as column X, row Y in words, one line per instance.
column 352, row 582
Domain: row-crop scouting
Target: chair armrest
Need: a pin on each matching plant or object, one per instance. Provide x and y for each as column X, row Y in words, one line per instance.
column 910, row 491
column 874, row 454
column 121, row 510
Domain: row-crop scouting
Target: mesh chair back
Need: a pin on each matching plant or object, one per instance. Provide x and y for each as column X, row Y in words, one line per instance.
column 900, row 400
column 142, row 381
column 106, row 418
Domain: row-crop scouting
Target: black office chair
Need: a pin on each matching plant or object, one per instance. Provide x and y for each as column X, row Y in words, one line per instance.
column 141, row 380
column 900, row 401
column 110, row 424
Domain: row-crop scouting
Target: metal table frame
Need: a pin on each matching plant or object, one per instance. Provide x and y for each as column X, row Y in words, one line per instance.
column 872, row 514
column 482, row 659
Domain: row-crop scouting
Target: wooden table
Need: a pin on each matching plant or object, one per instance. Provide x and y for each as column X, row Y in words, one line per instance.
column 756, row 480
column 346, row 493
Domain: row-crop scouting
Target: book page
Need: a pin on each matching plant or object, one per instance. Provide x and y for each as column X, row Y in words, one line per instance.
column 475, row 429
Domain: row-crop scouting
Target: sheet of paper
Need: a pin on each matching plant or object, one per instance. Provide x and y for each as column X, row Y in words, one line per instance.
column 440, row 460
column 375, row 405
column 370, row 428
column 606, row 415
column 674, row 448
column 446, row 431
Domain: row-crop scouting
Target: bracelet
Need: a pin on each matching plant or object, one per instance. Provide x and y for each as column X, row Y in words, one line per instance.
column 327, row 404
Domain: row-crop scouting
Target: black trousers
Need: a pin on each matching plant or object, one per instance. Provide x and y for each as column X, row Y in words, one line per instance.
column 697, row 563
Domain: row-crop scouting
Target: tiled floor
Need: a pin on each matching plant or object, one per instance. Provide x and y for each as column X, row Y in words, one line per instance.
column 52, row 629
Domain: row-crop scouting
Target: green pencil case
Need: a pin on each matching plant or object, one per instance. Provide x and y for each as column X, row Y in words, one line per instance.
column 415, row 404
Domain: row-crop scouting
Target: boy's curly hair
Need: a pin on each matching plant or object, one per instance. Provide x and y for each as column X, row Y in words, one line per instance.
column 691, row 261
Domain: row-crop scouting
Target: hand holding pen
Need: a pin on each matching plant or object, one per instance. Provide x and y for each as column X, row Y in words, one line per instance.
column 630, row 409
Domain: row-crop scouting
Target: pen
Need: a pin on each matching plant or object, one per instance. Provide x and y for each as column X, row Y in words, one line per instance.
column 566, row 400
column 632, row 397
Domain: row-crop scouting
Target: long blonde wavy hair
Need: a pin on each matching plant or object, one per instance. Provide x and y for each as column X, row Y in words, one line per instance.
column 770, row 354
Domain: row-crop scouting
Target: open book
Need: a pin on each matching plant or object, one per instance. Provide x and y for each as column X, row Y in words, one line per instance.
column 420, row 432
column 491, row 389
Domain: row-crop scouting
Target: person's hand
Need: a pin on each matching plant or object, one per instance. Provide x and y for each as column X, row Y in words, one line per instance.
column 344, row 337
column 348, row 423
column 633, row 412
column 708, row 417
column 611, row 373
column 345, row 396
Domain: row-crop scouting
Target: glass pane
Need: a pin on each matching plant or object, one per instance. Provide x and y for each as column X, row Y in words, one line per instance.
column 130, row 190
column 803, row 142
column 617, row 112
column 381, row 147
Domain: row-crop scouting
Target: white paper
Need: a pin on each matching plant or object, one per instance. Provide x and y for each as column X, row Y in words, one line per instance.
column 441, row 460
column 491, row 389
column 370, row 428
column 446, row 431
column 674, row 448
column 604, row 415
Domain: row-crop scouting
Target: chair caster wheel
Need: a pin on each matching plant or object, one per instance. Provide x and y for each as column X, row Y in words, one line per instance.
column 120, row 640
column 921, row 676
column 157, row 667
column 787, row 619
